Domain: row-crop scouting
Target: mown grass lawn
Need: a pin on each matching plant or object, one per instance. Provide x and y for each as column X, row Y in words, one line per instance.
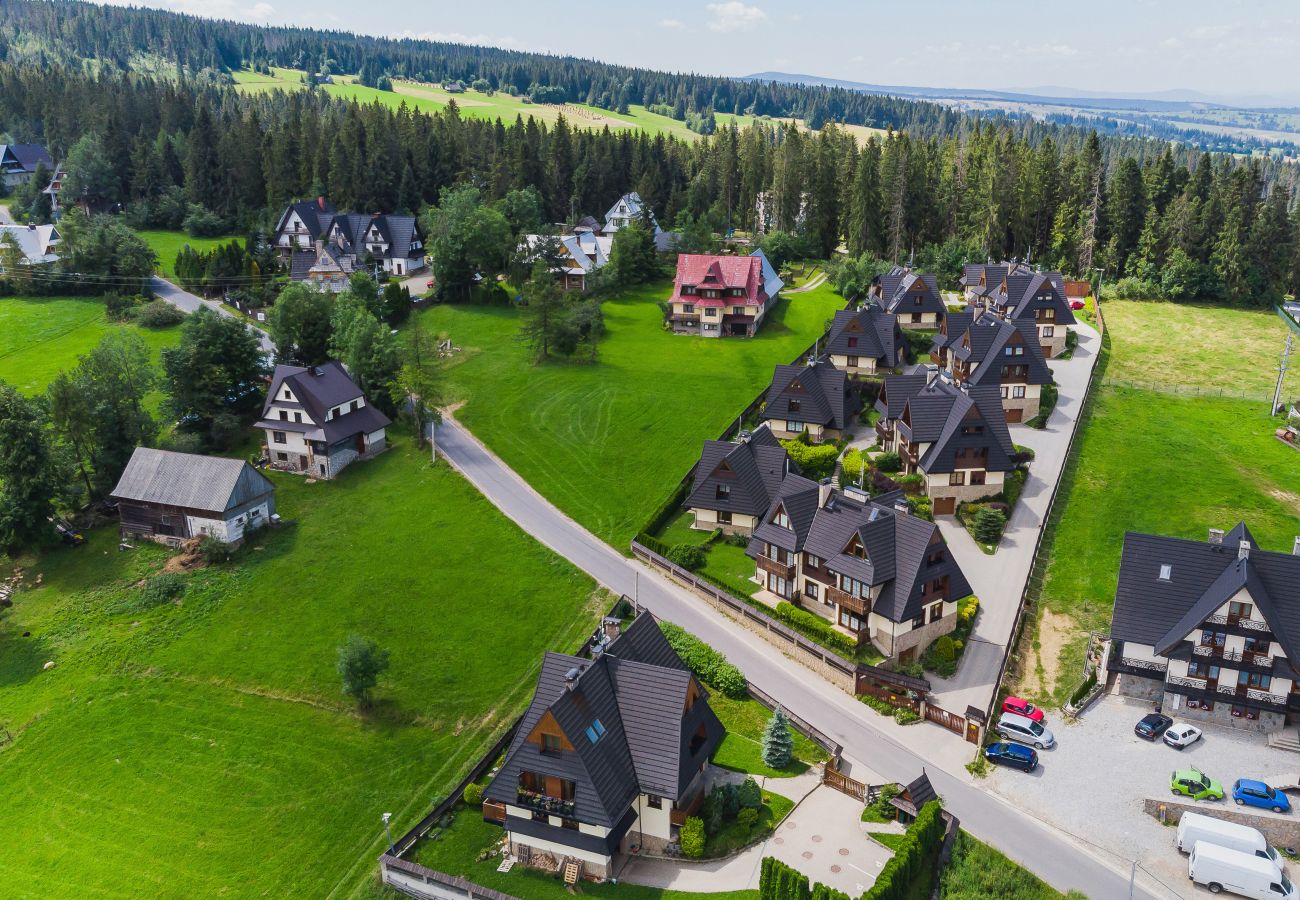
column 453, row 850
column 1162, row 463
column 608, row 442
column 168, row 245
column 742, row 748
column 976, row 871
column 42, row 336
column 204, row 748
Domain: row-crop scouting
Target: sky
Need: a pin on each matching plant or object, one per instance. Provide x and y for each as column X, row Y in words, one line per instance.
column 1216, row 47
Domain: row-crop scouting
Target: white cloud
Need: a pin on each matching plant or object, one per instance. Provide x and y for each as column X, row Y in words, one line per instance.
column 671, row 23
column 735, row 16
column 458, row 37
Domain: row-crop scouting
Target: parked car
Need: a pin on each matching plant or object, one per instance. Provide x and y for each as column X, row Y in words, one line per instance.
column 1182, row 736
column 1249, row 792
column 1221, row 869
column 1195, row 784
column 1152, row 726
column 1022, row 708
column 1017, row 756
column 1026, row 731
column 1077, row 304
column 1193, row 827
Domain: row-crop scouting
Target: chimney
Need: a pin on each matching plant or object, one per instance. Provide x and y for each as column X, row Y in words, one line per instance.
column 612, row 626
column 824, row 491
column 1243, row 549
column 745, row 436
column 901, row 507
column 571, row 678
column 320, row 201
column 1216, row 535
column 320, row 247
column 31, row 226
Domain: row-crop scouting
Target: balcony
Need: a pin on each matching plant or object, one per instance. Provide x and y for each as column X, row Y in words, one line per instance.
column 845, row 600
column 1146, row 665
column 1238, row 622
column 779, row 569
column 542, row 803
column 1183, row 681
column 1265, row 697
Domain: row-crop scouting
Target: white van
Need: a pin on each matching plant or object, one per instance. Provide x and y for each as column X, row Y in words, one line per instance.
column 1221, row 869
column 1193, row 827
column 1025, row 730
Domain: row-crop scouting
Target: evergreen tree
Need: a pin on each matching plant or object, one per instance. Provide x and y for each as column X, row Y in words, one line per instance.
column 778, row 745
column 33, row 473
column 547, row 324
column 213, row 376
column 300, row 326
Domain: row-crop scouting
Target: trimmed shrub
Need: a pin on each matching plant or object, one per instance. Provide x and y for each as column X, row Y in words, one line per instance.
column 778, row 881
column 692, row 838
column 816, row 628
column 905, row 716
column 159, row 314
column 746, row 818
column 889, row 462
column 910, row 871
column 473, row 794
column 1082, row 690
column 710, row 665
column 816, row 461
column 688, row 556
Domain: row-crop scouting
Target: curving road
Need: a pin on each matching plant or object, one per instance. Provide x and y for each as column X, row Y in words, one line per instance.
column 188, row 302
column 870, row 741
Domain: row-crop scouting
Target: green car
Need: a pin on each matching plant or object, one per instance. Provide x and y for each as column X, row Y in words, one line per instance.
column 1195, row 784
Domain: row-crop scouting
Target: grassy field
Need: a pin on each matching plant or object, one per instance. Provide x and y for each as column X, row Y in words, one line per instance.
column 608, row 442
column 1161, row 463
column 741, row 749
column 977, row 871
column 42, row 336
column 453, row 850
column 204, row 748
column 168, row 244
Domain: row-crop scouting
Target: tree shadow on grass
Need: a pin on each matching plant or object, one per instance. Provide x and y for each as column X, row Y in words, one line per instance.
column 21, row 658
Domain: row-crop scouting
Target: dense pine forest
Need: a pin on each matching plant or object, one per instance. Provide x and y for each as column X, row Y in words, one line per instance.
column 939, row 189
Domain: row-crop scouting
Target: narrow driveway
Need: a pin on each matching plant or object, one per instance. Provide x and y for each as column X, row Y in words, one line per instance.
column 5, row 218
column 999, row 580
column 1063, row 860
column 182, row 299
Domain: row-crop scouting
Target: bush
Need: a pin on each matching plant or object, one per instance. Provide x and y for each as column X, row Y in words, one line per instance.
column 749, row 795
column 692, row 838
column 1082, row 690
column 473, row 794
column 360, row 663
column 746, row 818
column 816, row 461
column 941, row 656
column 119, row 306
column 989, row 525
column 912, row 483
column 160, row 589
column 200, row 222
column 215, row 550
column 979, row 766
column 710, row 665
column 816, row 628
column 905, row 716
column 159, row 314
column 889, row 462
column 910, row 871
column 688, row 556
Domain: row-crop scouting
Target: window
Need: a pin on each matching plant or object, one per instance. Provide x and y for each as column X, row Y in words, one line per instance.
column 1048, row 331
column 853, row 362
column 916, row 317
column 1166, row 572
column 595, row 731
column 1238, row 610
column 654, row 802
column 812, row 561
column 1210, row 638
column 781, row 519
column 1018, row 392
column 850, row 621
column 918, row 622
column 810, row 589
column 859, row 589
column 956, row 478
column 1013, row 351
column 935, row 558
column 279, row 437
column 936, row 612
column 287, row 395
column 793, row 426
column 282, row 415
column 972, row 429
column 1049, row 314
column 688, row 308
column 1256, row 645
column 550, row 743
column 356, row 405
column 977, row 476
column 710, row 312
column 724, row 517
column 1004, row 392
column 282, row 457
column 722, row 492
column 297, row 417
column 853, row 342
column 795, row 405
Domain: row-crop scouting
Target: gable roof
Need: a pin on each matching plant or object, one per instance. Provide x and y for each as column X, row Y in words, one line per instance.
column 35, row 242
column 318, row 389
column 982, row 344
column 772, row 283
column 206, row 483
column 875, row 333
column 823, row 394
column 640, row 703
column 901, row 288
column 722, row 273
column 752, row 469
column 915, row 795
column 949, row 418
column 1202, row 577
column 24, row 157
column 316, row 216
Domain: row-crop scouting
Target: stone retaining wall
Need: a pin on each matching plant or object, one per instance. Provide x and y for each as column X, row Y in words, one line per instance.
column 1281, row 833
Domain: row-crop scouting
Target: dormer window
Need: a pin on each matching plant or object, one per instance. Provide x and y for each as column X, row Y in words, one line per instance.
column 795, row 405
column 722, row 492
column 781, row 519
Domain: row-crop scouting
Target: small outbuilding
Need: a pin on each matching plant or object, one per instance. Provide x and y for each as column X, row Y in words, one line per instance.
column 168, row 497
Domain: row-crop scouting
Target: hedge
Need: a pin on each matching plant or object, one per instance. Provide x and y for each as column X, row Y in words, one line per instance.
column 666, row 511
column 913, row 862
column 1082, row 690
column 704, row 661
column 814, row 627
column 777, row 881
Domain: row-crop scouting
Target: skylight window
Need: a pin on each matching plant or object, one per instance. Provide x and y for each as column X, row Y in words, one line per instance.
column 595, row 731
column 1166, row 572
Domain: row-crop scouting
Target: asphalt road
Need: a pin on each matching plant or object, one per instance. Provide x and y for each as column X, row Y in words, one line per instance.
column 5, row 218
column 899, row 754
column 189, row 302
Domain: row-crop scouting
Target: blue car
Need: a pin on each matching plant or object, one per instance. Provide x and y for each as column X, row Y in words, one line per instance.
column 1017, row 756
column 1248, row 792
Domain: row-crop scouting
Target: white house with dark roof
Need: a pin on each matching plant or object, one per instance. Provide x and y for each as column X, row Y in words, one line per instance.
column 911, row 296
column 36, row 243
column 169, row 497
column 817, row 399
column 19, row 162
column 324, row 245
column 1018, row 293
column 735, row 481
column 978, row 348
column 610, row 757
column 865, row 341
column 318, row 422
column 866, row 564
column 1210, row 629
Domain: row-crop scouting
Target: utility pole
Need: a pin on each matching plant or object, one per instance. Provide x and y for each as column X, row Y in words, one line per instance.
column 1281, row 374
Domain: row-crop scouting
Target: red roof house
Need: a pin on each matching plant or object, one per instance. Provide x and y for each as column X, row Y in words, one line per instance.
column 715, row 296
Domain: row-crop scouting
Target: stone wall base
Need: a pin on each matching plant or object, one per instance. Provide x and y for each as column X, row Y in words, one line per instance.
column 1281, row 833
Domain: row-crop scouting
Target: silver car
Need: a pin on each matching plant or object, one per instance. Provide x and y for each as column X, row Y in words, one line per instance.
column 1026, row 731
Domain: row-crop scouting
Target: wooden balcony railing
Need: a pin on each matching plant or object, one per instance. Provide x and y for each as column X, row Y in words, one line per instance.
column 780, row 569
column 847, row 601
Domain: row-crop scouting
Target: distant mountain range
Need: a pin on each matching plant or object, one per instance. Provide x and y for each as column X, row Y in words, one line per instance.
column 1156, row 101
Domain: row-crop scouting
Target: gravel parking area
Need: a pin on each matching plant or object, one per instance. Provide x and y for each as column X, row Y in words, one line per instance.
column 1093, row 783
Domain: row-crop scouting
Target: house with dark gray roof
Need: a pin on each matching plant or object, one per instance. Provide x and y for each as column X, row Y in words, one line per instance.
column 735, row 481
column 169, row 497
column 318, row 422
column 818, row 399
column 1210, row 629
column 351, row 240
column 610, row 757
column 19, row 162
column 911, row 296
column 1018, row 293
column 978, row 348
column 953, row 434
column 865, row 341
column 869, row 566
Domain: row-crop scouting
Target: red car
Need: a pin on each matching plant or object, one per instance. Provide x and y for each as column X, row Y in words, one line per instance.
column 1022, row 708
column 1077, row 304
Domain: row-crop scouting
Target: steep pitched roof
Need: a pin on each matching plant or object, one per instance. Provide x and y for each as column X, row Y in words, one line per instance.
column 207, row 483
column 818, row 393
column 35, row 242
column 24, row 157
column 867, row 332
column 985, row 342
column 752, row 470
column 316, row 216
column 798, row 497
column 1202, row 576
column 722, row 273
column 772, row 283
column 951, row 418
column 318, row 389
column 905, row 291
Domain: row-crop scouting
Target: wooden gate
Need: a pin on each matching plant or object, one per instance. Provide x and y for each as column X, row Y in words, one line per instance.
column 845, row 785
column 948, row 720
